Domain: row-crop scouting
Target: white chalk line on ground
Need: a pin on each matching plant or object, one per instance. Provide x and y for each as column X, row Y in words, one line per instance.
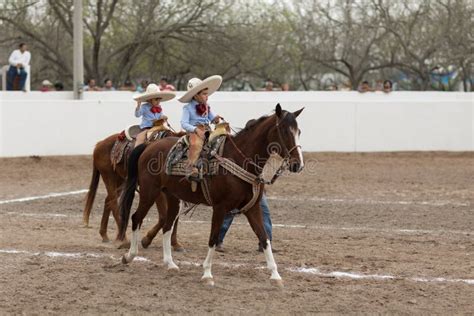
column 299, row 199
column 274, row 225
column 365, row 201
column 305, row 270
column 408, row 231
column 42, row 197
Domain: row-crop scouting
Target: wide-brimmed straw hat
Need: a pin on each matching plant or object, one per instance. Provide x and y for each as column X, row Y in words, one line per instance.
column 195, row 85
column 153, row 91
column 46, row 83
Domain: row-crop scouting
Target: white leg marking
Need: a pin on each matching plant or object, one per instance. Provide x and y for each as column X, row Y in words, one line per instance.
column 271, row 265
column 133, row 251
column 208, row 263
column 167, row 258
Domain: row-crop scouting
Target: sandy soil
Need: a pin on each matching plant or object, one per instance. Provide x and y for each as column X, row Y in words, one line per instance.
column 408, row 216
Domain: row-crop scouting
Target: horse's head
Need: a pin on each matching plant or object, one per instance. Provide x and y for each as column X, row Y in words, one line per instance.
column 285, row 134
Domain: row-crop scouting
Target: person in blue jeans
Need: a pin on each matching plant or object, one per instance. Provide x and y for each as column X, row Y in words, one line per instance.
column 18, row 60
column 267, row 224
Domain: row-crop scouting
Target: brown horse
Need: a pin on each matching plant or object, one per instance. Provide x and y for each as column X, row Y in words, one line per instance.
column 113, row 179
column 249, row 149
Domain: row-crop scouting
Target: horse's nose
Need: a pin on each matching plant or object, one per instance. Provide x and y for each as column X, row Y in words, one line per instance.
column 296, row 166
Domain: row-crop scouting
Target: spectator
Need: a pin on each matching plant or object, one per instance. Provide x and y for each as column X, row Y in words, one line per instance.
column 108, row 86
column 46, row 86
column 18, row 60
column 165, row 86
column 364, row 87
column 285, row 87
column 92, row 86
column 346, row 86
column 127, row 86
column 379, row 85
column 387, row 86
column 268, row 86
column 142, row 86
column 58, row 86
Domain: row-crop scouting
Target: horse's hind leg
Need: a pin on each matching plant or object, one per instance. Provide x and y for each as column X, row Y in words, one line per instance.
column 173, row 209
column 151, row 234
column 105, row 218
column 109, row 204
column 254, row 216
column 147, row 195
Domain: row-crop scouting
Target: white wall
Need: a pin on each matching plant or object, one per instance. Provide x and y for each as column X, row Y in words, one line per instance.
column 52, row 123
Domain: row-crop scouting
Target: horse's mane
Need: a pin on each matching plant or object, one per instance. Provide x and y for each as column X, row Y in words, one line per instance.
column 251, row 124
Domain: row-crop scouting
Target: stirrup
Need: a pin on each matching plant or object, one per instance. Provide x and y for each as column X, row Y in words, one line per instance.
column 193, row 177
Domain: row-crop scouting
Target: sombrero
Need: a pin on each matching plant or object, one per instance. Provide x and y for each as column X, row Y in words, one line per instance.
column 195, row 85
column 153, row 91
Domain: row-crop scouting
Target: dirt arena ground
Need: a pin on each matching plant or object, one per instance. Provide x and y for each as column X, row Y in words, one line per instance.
column 357, row 234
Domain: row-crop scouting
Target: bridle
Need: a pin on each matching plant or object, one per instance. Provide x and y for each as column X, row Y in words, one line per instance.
column 286, row 157
column 280, row 138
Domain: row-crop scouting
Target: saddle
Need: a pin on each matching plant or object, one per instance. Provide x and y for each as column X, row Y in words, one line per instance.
column 126, row 140
column 177, row 159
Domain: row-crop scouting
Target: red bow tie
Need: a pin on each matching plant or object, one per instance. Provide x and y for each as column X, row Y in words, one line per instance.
column 201, row 109
column 155, row 109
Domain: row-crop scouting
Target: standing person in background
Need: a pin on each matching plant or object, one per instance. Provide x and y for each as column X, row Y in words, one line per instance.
column 46, row 86
column 142, row 86
column 165, row 86
column 387, row 86
column 18, row 60
column 58, row 86
column 108, row 85
column 267, row 224
column 127, row 86
column 92, row 86
column 364, row 87
column 268, row 85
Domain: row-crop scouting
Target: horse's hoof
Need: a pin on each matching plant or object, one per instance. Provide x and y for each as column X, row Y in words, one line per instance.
column 105, row 239
column 86, row 225
column 277, row 282
column 178, row 248
column 173, row 270
column 124, row 259
column 124, row 244
column 146, row 242
column 208, row 282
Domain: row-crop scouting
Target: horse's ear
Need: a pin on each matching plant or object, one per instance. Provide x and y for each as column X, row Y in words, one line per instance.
column 296, row 113
column 278, row 110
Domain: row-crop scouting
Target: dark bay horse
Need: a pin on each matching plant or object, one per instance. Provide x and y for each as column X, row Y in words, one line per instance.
column 250, row 149
column 113, row 179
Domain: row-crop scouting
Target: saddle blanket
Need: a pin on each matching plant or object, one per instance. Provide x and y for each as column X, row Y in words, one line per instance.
column 177, row 159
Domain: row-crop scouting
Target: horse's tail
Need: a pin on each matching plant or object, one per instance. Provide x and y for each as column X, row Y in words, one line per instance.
column 128, row 194
column 91, row 195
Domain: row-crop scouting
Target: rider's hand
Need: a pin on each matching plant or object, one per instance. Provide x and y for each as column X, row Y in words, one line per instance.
column 217, row 119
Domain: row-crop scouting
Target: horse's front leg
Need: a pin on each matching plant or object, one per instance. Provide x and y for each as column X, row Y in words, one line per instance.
column 217, row 220
column 254, row 216
column 171, row 217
